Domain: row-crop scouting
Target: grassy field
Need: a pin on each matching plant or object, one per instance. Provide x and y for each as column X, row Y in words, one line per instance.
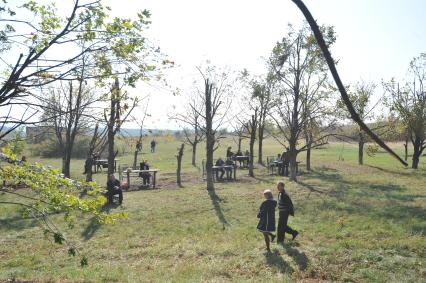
column 357, row 224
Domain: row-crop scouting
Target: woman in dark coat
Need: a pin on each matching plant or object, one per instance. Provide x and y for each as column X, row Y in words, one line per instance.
column 266, row 217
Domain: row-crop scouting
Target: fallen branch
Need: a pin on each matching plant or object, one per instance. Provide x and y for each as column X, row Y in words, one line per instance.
column 342, row 90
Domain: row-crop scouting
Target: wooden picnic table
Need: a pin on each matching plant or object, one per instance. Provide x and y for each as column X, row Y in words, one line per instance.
column 242, row 159
column 227, row 168
column 280, row 165
column 103, row 163
column 136, row 173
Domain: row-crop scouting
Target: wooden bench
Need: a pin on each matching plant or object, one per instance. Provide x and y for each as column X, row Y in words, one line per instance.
column 133, row 178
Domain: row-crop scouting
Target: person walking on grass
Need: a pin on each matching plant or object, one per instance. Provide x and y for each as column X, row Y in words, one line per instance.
column 285, row 207
column 266, row 217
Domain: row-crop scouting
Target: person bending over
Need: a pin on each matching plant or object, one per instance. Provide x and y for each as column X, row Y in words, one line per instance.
column 114, row 188
column 266, row 217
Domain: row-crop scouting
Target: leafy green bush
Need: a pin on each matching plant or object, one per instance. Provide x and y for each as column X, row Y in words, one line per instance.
column 50, row 148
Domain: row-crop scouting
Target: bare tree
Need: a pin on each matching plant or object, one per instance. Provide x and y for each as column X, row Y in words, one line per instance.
column 179, row 165
column 251, row 127
column 117, row 113
column 140, row 123
column 409, row 102
column 67, row 110
column 193, row 126
column 262, row 94
column 302, row 91
column 216, row 103
column 97, row 144
column 239, row 132
column 361, row 99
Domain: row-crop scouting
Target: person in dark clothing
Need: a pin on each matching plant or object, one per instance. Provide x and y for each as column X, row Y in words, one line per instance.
column 266, row 217
column 229, row 153
column 138, row 146
column 153, row 144
column 285, row 158
column 285, row 207
column 114, row 188
column 220, row 162
column 145, row 175
column 229, row 162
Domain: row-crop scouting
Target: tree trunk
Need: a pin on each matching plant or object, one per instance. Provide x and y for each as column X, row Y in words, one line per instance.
column 194, row 153
column 135, row 159
column 89, row 159
column 240, row 139
column 406, row 149
column 416, row 152
column 111, row 127
column 308, row 157
column 210, row 139
column 361, row 149
column 260, row 149
column 66, row 160
column 179, row 165
column 89, row 173
column 293, row 163
column 252, row 140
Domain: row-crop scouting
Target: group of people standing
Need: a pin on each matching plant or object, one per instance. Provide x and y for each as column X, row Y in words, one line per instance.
column 266, row 216
column 153, row 145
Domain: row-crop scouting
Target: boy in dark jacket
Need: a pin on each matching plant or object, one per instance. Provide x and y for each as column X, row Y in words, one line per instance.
column 285, row 207
column 114, row 188
column 266, row 217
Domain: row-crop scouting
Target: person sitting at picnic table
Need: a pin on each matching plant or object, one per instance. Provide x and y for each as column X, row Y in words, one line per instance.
column 114, row 188
column 145, row 175
column 239, row 153
column 153, row 144
column 220, row 162
column 247, row 153
column 229, row 153
column 229, row 162
column 285, row 158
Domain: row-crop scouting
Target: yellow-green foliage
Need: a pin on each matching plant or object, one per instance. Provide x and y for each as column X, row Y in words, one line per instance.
column 47, row 192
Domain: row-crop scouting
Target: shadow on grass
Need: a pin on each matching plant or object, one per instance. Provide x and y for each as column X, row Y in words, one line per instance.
column 269, row 181
column 299, row 257
column 311, row 188
column 216, row 200
column 18, row 223
column 389, row 171
column 388, row 201
column 275, row 260
column 91, row 229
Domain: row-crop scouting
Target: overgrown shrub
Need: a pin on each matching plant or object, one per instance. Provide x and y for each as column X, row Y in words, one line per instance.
column 50, row 148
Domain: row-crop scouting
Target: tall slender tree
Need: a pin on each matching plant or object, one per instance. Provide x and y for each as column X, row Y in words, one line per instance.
column 302, row 90
column 408, row 101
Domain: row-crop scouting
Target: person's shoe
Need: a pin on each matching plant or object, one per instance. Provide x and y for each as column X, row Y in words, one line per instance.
column 295, row 235
column 272, row 238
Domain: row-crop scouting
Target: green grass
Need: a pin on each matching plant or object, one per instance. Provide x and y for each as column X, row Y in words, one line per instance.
column 357, row 224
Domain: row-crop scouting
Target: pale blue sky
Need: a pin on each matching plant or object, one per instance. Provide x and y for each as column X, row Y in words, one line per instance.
column 376, row 39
